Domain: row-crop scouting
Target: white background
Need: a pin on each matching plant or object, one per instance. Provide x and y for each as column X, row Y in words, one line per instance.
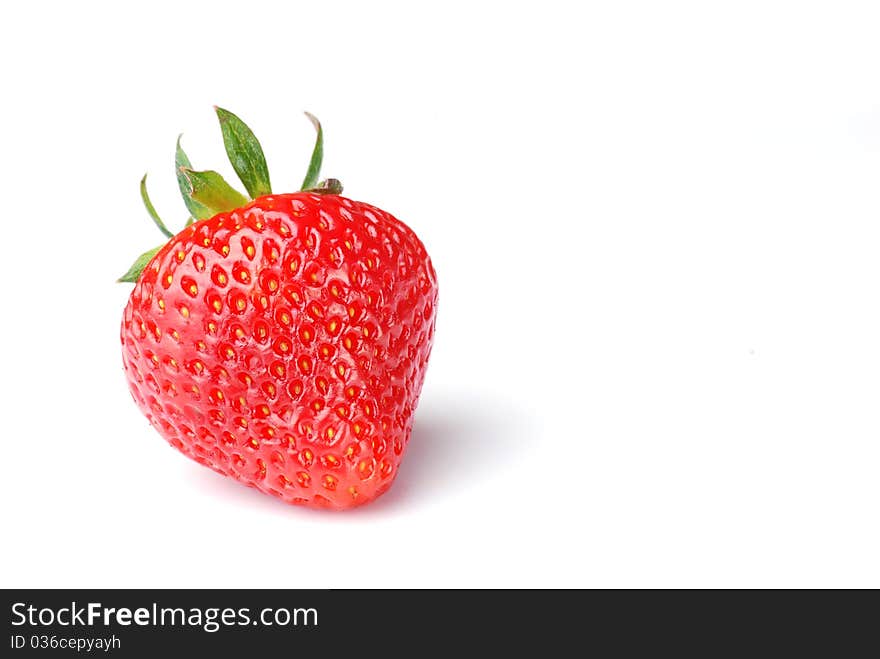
column 656, row 231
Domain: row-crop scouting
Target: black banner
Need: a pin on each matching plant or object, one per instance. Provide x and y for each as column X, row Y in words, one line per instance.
column 138, row 623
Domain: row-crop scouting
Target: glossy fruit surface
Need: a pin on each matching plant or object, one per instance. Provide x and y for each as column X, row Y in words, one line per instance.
column 285, row 343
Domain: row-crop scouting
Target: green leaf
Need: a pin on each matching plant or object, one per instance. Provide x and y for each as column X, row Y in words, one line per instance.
column 245, row 153
column 151, row 209
column 211, row 191
column 314, row 172
column 181, row 160
column 134, row 272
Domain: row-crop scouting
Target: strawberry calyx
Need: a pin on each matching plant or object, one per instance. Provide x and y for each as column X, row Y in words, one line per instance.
column 245, row 153
column 206, row 193
column 314, row 171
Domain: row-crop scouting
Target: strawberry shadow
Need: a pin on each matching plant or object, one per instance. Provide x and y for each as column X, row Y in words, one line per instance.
column 457, row 440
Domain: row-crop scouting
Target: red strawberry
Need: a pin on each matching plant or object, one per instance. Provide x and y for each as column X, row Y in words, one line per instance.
column 282, row 341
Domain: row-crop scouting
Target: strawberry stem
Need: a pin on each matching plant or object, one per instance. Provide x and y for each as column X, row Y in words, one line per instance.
column 327, row 186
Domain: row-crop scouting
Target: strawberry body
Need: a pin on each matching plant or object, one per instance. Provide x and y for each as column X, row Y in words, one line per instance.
column 284, row 344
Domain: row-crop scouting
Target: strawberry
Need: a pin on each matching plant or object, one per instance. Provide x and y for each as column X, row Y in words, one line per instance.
column 281, row 340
